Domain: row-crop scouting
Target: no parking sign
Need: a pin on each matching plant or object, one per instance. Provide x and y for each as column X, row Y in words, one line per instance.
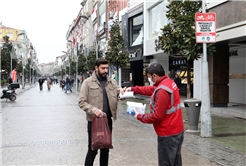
column 205, row 27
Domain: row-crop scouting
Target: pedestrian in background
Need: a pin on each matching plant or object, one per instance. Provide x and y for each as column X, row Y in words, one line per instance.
column 177, row 80
column 165, row 114
column 9, row 80
column 41, row 81
column 95, row 94
column 62, row 84
column 49, row 83
column 72, row 81
column 68, row 83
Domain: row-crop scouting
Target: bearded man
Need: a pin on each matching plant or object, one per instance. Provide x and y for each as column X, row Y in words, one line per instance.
column 98, row 95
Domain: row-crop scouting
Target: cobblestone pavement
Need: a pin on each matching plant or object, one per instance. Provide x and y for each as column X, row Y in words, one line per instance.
column 48, row 128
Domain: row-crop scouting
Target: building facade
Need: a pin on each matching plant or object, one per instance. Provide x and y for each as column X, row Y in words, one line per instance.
column 227, row 66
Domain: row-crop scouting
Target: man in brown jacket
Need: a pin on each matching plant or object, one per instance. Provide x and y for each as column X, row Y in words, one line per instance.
column 98, row 95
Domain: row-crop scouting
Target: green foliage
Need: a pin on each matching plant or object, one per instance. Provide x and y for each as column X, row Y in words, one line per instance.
column 19, row 67
column 3, row 81
column 6, row 56
column 91, row 59
column 178, row 37
column 116, row 55
column 82, row 66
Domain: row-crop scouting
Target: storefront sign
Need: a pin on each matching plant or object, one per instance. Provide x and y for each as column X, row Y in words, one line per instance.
column 133, row 55
column 179, row 61
column 205, row 27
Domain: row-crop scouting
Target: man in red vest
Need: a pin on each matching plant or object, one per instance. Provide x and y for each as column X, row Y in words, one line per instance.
column 165, row 114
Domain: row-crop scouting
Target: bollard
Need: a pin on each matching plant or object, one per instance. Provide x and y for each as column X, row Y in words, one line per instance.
column 192, row 108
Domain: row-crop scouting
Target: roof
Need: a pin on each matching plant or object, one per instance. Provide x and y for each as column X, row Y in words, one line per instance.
column 62, row 56
column 2, row 40
column 8, row 28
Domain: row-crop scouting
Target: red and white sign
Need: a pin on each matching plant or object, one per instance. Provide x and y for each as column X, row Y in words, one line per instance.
column 205, row 27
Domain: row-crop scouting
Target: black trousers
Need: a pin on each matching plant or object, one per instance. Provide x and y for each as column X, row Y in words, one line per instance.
column 169, row 150
column 91, row 154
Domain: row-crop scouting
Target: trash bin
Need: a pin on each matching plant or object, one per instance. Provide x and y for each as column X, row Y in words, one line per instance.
column 192, row 108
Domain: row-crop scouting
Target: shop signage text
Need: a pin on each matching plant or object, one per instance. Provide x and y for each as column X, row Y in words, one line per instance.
column 179, row 61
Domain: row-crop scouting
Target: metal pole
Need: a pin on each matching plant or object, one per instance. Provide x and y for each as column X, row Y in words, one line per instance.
column 23, row 76
column 30, row 75
column 95, row 39
column 11, row 55
column 77, row 73
column 206, row 123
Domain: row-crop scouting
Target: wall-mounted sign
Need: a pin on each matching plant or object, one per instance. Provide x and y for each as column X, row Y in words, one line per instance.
column 205, row 27
column 101, row 29
column 178, row 61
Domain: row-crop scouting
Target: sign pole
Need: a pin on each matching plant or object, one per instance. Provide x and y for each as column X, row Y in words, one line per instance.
column 206, row 123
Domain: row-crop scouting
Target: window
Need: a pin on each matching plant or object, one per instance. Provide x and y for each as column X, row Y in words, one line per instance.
column 102, row 44
column 136, row 30
column 102, row 8
column 10, row 35
column 102, row 18
column 158, row 19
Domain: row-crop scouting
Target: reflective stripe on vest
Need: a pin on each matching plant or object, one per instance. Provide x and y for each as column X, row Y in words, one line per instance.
column 173, row 109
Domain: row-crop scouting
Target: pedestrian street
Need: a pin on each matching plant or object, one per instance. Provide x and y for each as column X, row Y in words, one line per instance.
column 48, row 128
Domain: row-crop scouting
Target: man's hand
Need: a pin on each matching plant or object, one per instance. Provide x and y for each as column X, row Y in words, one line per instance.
column 127, row 89
column 122, row 91
column 136, row 113
column 98, row 113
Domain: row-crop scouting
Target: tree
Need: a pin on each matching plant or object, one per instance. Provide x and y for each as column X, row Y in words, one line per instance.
column 178, row 37
column 116, row 55
column 92, row 57
column 6, row 56
column 82, row 67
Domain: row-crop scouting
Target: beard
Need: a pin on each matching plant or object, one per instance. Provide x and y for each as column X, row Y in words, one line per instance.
column 102, row 75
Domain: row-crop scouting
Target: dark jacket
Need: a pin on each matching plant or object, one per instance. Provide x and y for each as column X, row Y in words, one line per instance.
column 40, row 81
column 68, row 81
column 178, row 82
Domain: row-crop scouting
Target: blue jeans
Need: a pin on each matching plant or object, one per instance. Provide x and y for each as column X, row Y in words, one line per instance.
column 68, row 86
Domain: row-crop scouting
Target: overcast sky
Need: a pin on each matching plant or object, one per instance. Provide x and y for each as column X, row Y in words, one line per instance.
column 46, row 23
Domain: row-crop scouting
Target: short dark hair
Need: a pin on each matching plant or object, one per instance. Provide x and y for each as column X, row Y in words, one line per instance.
column 155, row 68
column 100, row 61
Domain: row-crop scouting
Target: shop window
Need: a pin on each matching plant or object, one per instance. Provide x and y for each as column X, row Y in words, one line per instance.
column 10, row 35
column 157, row 19
column 137, row 30
column 102, row 18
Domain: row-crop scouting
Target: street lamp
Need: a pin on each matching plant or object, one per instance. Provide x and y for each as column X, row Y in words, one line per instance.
column 12, row 52
column 83, row 16
column 68, row 62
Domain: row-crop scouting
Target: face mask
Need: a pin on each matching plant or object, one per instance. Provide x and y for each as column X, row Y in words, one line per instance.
column 151, row 83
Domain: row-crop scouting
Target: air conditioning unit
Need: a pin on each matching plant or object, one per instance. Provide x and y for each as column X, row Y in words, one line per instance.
column 110, row 14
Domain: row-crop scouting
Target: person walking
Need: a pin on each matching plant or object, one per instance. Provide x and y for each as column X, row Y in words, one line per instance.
column 68, row 83
column 177, row 80
column 62, row 84
column 165, row 114
column 95, row 94
column 41, row 81
column 49, row 83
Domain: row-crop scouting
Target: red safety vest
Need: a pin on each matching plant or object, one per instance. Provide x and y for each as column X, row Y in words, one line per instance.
column 172, row 124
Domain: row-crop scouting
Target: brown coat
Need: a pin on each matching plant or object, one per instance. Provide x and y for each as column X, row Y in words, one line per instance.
column 49, row 83
column 91, row 96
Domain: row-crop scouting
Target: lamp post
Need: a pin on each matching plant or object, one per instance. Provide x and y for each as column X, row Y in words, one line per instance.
column 68, row 62
column 83, row 16
column 77, row 58
column 12, row 51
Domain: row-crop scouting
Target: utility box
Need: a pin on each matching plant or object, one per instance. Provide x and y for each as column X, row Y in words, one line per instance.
column 192, row 108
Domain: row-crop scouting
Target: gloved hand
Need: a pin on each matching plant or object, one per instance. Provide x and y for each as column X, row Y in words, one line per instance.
column 136, row 114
